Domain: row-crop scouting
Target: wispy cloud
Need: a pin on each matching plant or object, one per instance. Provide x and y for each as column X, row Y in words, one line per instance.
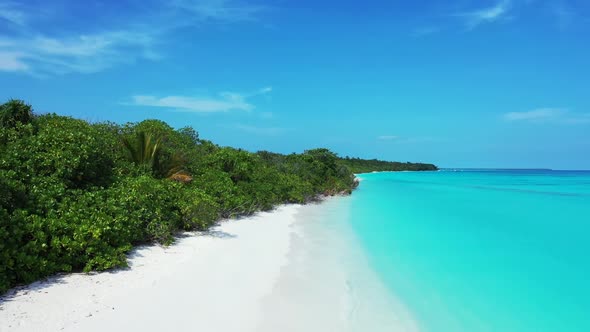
column 392, row 139
column 535, row 115
column 31, row 49
column 486, row 15
column 548, row 115
column 10, row 12
column 425, row 31
column 223, row 103
column 563, row 13
column 265, row 131
column 34, row 50
column 41, row 55
column 387, row 137
column 578, row 119
column 220, row 10
column 12, row 61
column 266, row 115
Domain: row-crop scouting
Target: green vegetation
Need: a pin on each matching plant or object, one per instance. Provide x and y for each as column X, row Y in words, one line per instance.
column 358, row 166
column 78, row 196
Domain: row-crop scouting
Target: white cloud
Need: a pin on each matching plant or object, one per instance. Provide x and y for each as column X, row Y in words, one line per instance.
column 41, row 55
column 266, row 131
column 10, row 12
column 578, row 119
column 262, row 91
column 33, row 50
column 266, row 115
column 486, row 15
column 535, row 115
column 12, row 62
column 425, row 31
column 222, row 102
column 225, row 102
column 564, row 14
column 265, row 90
column 220, row 10
column 551, row 115
column 397, row 140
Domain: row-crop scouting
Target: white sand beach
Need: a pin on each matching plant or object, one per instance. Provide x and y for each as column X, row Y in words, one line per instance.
column 210, row 282
column 261, row 273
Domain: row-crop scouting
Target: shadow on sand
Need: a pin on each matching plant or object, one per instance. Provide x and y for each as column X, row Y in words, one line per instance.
column 61, row 278
column 35, row 287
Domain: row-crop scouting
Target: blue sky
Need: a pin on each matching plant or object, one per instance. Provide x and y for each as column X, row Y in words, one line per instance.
column 503, row 83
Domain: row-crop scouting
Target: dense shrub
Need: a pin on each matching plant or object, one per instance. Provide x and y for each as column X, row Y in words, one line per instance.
column 358, row 165
column 70, row 150
column 79, row 196
column 14, row 112
column 218, row 185
column 152, row 203
column 10, row 249
column 198, row 210
column 74, row 151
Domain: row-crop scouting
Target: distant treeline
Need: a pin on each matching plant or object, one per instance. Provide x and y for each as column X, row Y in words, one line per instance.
column 358, row 166
column 78, row 196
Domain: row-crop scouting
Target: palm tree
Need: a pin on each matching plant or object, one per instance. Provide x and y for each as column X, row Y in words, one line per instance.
column 13, row 112
column 146, row 151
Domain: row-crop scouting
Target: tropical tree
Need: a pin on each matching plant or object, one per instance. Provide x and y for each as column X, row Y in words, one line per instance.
column 146, row 150
column 13, row 112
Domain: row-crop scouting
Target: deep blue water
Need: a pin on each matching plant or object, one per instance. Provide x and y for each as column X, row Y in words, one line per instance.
column 476, row 250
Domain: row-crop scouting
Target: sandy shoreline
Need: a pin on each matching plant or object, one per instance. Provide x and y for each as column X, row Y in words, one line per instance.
column 297, row 268
column 212, row 282
column 328, row 283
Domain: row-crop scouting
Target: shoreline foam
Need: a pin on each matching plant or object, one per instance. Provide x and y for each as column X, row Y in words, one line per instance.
column 329, row 284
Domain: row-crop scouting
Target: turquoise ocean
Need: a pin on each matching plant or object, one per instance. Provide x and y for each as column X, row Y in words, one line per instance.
column 480, row 250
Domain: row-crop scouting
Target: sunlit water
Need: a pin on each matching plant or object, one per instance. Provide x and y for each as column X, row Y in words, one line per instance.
column 480, row 251
column 328, row 283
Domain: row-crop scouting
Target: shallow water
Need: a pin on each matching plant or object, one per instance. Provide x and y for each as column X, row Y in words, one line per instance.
column 328, row 284
column 480, row 250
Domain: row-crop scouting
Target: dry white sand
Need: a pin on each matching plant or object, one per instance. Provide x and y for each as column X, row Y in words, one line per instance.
column 204, row 282
column 298, row 268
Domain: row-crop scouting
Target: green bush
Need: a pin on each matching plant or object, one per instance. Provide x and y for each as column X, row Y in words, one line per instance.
column 154, row 203
column 358, row 165
column 74, row 197
column 10, row 249
column 94, row 229
column 198, row 210
column 71, row 150
column 218, row 185
column 14, row 112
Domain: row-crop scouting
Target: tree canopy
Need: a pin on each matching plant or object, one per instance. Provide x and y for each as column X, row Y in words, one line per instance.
column 77, row 196
column 357, row 165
